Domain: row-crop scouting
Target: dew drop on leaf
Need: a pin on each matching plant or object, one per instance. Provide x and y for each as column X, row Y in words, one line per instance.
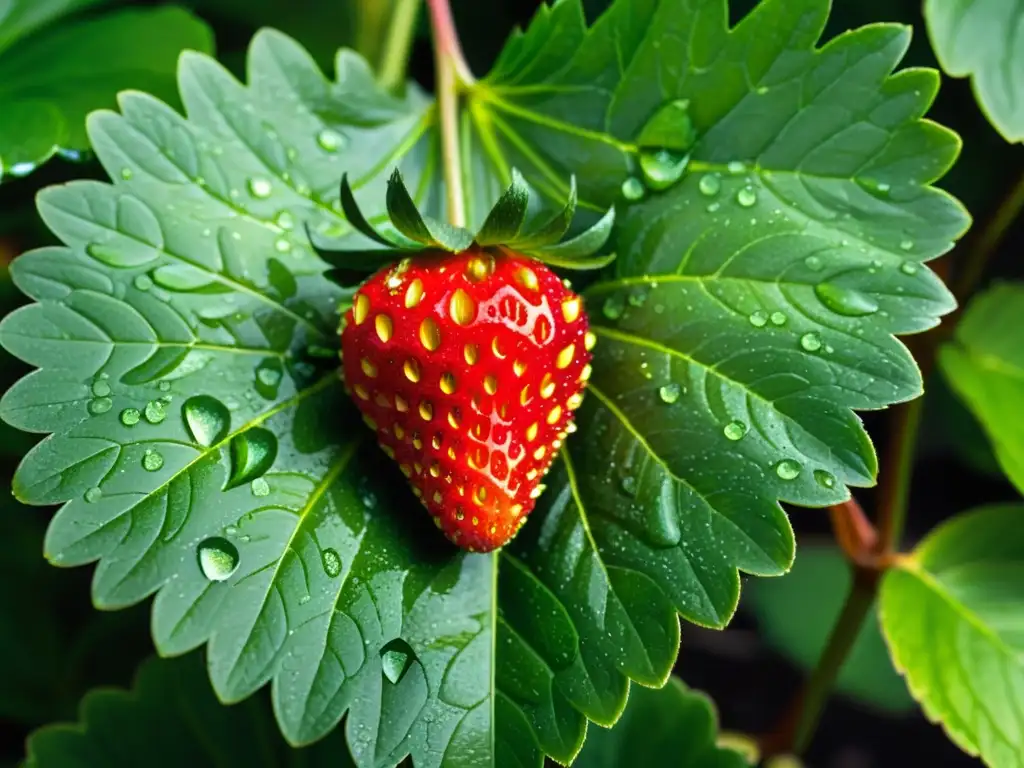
column 845, row 301
column 152, row 460
column 143, row 282
column 735, row 430
column 395, row 659
column 304, row 599
column 285, row 220
column 662, row 528
column 268, row 377
column 824, row 479
column 629, row 485
column 331, row 561
column 613, row 307
column 281, row 245
column 206, row 418
column 259, row 187
column 252, row 454
column 778, row 318
column 712, row 207
column 746, row 197
column 906, row 245
column 130, row 416
column 908, row 268
column 155, row 412
column 100, row 388
column 813, row 263
column 260, row 487
column 637, row 298
column 100, row 405
column 709, row 184
column 670, row 393
column 93, row 495
column 218, row 558
column 663, row 168
column 633, row 189
column 758, row 318
column 810, row 342
column 126, row 173
column 736, row 167
column 330, row 140
column 787, row 469
column 164, row 386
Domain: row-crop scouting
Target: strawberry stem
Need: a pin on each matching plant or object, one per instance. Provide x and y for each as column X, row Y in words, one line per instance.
column 452, row 75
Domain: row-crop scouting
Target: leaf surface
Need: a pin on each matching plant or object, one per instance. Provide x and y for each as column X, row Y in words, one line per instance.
column 952, row 614
column 984, row 39
column 985, row 366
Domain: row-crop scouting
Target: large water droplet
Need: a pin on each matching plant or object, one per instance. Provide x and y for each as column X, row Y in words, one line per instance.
column 709, row 184
column 662, row 527
column 810, row 342
column 100, row 388
column 130, row 416
column 746, row 197
column 100, row 405
column 252, row 454
column 152, row 460
column 735, row 430
column 93, row 495
column 330, row 140
column 218, row 558
column 758, row 318
column 206, row 418
column 268, row 377
column 395, row 659
column 331, row 561
column 824, row 479
column 845, row 301
column 259, row 187
column 633, row 189
column 663, row 168
column 787, row 469
column 670, row 393
column 155, row 412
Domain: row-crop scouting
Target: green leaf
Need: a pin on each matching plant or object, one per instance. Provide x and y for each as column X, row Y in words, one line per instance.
column 50, row 80
column 171, row 718
column 982, row 39
column 506, row 218
column 985, row 367
column 797, row 612
column 555, row 228
column 952, row 614
column 669, row 726
column 580, row 249
column 406, row 217
column 21, row 17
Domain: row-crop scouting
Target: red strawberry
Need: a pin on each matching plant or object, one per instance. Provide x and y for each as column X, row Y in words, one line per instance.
column 469, row 366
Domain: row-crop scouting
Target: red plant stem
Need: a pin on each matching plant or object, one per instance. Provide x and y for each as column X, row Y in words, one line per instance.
column 446, row 40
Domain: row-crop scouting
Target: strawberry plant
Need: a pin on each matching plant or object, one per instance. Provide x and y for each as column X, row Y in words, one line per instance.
column 444, row 409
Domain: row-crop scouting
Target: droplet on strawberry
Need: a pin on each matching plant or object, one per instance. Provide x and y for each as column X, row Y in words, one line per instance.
column 469, row 366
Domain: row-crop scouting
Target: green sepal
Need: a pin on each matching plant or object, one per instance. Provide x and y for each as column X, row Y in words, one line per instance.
column 355, row 217
column 423, row 229
column 578, row 252
column 506, row 218
column 554, row 230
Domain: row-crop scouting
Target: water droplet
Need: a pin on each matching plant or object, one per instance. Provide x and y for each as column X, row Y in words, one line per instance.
column 629, row 485
column 824, row 479
column 260, row 487
column 218, row 558
column 778, row 318
column 735, row 430
column 152, row 460
column 93, row 495
column 637, row 298
column 613, row 307
column 130, row 416
column 758, row 318
column 712, row 207
column 259, row 187
column 709, row 184
column 810, row 342
column 746, row 197
column 845, row 301
column 663, row 168
column 633, row 189
column 155, row 412
column 126, row 174
column 813, row 263
column 268, row 377
column 882, row 187
column 100, row 405
column 143, row 282
column 670, row 393
column 331, row 561
column 252, row 454
column 735, row 167
column 787, row 469
column 281, row 245
column 206, row 418
column 330, row 140
column 164, row 386
column 395, row 659
column 285, row 220
column 908, row 268
column 906, row 245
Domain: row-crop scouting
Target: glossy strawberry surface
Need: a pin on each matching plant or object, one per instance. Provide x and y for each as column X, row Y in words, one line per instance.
column 468, row 367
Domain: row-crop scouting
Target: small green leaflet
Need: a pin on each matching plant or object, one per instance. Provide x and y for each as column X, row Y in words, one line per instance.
column 173, row 719
column 985, row 40
column 985, row 366
column 952, row 614
column 51, row 78
column 180, row 335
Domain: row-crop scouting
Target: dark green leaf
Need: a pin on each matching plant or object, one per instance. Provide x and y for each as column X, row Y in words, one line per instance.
column 797, row 612
column 172, row 719
column 408, row 220
column 50, row 80
column 355, row 217
column 982, row 39
column 21, row 17
column 985, row 366
column 582, row 247
column 552, row 231
column 506, row 218
column 952, row 613
column 669, row 726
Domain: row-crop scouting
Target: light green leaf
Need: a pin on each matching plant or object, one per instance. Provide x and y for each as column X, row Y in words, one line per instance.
column 668, row 726
column 52, row 79
column 985, row 366
column 952, row 613
column 984, row 39
column 797, row 612
column 172, row 719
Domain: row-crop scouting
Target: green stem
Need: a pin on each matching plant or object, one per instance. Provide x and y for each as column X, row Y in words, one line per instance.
column 856, row 608
column 988, row 241
column 395, row 55
column 451, row 75
column 894, row 495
